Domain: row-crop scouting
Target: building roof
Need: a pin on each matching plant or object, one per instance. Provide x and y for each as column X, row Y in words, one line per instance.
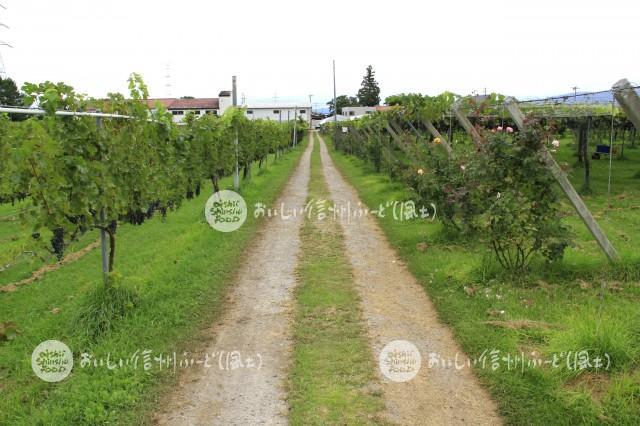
column 275, row 106
column 166, row 102
column 174, row 103
column 198, row 103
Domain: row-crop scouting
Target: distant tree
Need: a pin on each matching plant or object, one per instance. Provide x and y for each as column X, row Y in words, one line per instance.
column 369, row 93
column 405, row 99
column 343, row 101
column 9, row 93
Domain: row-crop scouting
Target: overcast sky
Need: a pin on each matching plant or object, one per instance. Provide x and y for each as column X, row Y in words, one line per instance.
column 284, row 48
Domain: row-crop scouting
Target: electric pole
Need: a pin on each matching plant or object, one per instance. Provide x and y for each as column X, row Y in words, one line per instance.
column 575, row 94
column 335, row 106
column 3, row 71
column 167, row 83
column 234, row 99
column 310, row 111
column 295, row 126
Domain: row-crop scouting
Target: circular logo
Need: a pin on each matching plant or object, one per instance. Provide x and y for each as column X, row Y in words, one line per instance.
column 400, row 361
column 225, row 211
column 52, row 361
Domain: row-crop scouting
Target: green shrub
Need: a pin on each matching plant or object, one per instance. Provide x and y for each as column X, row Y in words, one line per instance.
column 103, row 308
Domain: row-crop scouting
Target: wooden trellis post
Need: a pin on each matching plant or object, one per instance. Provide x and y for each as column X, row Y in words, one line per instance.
column 569, row 190
column 466, row 124
column 366, row 132
column 628, row 100
column 392, row 132
column 395, row 126
column 436, row 134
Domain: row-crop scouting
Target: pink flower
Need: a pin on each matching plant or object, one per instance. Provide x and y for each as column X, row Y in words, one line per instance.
column 555, row 143
column 509, row 129
column 499, row 128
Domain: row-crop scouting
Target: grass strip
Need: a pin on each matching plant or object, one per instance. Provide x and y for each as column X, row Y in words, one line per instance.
column 332, row 379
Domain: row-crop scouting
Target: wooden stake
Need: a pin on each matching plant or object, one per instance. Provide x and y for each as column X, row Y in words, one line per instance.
column 436, row 134
column 466, row 124
column 628, row 100
column 569, row 190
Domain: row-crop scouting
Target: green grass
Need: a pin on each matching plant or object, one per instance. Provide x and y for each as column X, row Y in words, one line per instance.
column 332, row 379
column 579, row 318
column 179, row 270
column 21, row 254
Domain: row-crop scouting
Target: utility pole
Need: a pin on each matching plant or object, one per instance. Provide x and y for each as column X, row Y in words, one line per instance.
column 310, row 111
column 234, row 99
column 168, row 80
column 575, row 94
column 295, row 125
column 3, row 71
column 335, row 106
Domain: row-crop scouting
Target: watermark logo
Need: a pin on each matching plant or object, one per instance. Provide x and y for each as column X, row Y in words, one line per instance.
column 226, row 211
column 400, row 361
column 52, row 361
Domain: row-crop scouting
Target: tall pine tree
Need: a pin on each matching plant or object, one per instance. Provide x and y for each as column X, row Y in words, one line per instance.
column 369, row 93
column 9, row 93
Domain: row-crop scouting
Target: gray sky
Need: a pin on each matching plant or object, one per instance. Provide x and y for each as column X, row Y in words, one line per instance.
column 532, row 48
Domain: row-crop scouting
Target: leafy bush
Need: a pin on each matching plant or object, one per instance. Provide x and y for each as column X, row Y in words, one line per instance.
column 512, row 202
column 501, row 192
column 443, row 181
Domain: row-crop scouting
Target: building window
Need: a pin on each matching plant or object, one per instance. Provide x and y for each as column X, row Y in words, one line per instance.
column 196, row 112
column 211, row 111
column 368, row 112
column 352, row 112
column 303, row 111
column 176, row 112
column 276, row 111
column 249, row 112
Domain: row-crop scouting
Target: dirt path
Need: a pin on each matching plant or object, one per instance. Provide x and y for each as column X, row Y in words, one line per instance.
column 396, row 307
column 257, row 322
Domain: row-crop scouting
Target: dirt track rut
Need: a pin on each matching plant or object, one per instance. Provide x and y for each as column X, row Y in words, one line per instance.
column 257, row 321
column 396, row 307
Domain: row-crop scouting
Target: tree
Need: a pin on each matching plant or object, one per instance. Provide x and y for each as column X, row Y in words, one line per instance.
column 9, row 93
column 343, row 101
column 369, row 93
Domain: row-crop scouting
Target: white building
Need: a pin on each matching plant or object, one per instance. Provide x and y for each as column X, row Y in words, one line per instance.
column 357, row 111
column 354, row 111
column 200, row 106
column 275, row 112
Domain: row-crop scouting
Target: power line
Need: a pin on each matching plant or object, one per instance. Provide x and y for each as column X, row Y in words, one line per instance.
column 567, row 97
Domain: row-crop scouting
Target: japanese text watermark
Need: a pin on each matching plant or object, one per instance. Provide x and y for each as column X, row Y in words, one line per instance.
column 323, row 209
